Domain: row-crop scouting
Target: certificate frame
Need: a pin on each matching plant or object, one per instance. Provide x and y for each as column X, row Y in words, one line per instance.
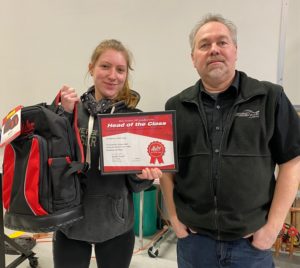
column 130, row 142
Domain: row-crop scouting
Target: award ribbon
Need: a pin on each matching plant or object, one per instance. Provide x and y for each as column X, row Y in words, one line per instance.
column 156, row 150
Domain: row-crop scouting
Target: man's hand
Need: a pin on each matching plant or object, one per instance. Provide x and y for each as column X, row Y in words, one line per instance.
column 179, row 228
column 264, row 238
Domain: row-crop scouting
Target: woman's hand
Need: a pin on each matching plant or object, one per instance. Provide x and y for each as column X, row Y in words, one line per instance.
column 150, row 174
column 68, row 98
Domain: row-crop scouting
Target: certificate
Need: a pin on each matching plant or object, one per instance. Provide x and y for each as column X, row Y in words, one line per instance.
column 130, row 142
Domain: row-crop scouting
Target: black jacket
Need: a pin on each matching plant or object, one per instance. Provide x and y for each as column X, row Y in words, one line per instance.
column 252, row 143
column 107, row 200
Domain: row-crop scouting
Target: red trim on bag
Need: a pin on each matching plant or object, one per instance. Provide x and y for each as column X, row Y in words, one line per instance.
column 68, row 159
column 50, row 160
column 75, row 126
column 8, row 174
column 31, row 184
column 57, row 99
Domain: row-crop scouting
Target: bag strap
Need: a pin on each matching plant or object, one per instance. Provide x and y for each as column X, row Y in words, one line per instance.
column 79, row 146
column 76, row 167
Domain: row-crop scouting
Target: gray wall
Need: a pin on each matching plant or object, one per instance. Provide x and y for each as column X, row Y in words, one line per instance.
column 45, row 44
column 291, row 74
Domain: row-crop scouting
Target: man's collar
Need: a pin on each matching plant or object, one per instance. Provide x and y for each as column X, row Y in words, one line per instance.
column 235, row 83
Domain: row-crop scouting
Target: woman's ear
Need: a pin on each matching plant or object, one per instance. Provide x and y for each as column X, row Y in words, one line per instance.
column 91, row 69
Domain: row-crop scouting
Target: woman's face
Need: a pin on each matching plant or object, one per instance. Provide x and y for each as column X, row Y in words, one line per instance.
column 109, row 74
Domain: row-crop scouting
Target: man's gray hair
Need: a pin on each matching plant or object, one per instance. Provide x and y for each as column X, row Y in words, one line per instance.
column 213, row 18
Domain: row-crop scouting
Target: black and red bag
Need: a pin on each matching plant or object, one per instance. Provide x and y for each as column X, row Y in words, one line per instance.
column 41, row 171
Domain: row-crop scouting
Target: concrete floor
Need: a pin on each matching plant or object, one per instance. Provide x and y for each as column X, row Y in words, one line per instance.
column 166, row 255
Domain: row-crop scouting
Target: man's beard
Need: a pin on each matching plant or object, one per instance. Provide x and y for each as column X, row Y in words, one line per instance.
column 217, row 73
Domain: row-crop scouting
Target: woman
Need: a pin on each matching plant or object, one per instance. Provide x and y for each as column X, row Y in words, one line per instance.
column 107, row 200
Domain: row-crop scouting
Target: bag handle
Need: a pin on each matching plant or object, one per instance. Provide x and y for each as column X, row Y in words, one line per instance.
column 57, row 102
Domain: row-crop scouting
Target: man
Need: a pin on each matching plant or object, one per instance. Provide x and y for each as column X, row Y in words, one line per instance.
column 224, row 204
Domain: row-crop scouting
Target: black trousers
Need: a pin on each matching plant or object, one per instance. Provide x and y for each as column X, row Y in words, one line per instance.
column 113, row 253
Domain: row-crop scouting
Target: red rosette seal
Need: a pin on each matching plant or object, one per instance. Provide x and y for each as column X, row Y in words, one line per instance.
column 156, row 150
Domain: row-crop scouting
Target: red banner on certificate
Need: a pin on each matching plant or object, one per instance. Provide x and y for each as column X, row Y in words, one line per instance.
column 133, row 141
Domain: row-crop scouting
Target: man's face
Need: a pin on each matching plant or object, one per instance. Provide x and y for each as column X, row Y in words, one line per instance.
column 215, row 54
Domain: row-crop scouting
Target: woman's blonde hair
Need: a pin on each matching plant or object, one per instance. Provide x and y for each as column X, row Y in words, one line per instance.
column 124, row 94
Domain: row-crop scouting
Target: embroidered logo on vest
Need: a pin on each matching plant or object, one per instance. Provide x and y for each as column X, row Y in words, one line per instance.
column 248, row 113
